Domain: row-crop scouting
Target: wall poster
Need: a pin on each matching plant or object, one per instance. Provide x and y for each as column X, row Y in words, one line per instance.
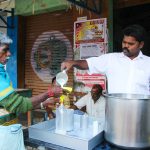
column 90, row 40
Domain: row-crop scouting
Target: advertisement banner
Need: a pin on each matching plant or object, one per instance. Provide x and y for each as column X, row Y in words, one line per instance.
column 90, row 40
column 90, row 31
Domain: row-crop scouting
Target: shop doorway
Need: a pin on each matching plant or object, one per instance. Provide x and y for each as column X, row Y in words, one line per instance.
column 123, row 17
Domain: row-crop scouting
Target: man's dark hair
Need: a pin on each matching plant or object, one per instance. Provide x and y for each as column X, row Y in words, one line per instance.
column 136, row 31
column 53, row 79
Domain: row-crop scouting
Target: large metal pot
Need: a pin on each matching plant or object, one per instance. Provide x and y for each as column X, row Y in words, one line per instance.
column 128, row 120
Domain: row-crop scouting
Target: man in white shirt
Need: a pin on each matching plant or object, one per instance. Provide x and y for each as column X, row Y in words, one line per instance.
column 94, row 102
column 128, row 71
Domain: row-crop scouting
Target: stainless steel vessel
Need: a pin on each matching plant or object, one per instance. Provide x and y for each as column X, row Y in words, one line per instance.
column 128, row 120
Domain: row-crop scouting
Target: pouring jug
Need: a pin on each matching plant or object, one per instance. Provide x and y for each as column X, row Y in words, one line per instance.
column 62, row 78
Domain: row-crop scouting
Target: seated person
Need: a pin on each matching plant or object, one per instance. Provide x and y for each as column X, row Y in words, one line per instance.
column 94, row 102
column 49, row 109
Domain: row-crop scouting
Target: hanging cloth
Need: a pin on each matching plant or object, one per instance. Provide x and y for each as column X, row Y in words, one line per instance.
column 11, row 137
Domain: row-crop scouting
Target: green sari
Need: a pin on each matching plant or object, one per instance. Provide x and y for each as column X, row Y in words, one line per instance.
column 14, row 104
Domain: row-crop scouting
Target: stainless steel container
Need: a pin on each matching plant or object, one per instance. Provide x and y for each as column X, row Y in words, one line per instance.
column 128, row 120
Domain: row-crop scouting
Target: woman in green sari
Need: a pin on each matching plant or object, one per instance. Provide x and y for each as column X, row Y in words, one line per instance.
column 12, row 103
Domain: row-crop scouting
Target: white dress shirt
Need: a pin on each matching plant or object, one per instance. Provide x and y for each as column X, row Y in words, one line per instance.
column 96, row 110
column 123, row 74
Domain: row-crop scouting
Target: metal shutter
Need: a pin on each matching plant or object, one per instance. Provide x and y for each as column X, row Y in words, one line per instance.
column 44, row 34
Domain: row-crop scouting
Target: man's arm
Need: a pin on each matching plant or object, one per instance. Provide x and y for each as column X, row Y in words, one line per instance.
column 79, row 64
column 81, row 102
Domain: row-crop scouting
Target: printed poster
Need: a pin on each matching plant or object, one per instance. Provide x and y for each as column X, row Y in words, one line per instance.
column 90, row 40
column 90, row 31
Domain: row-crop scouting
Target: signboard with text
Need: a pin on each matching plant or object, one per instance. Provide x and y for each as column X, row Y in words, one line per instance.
column 90, row 40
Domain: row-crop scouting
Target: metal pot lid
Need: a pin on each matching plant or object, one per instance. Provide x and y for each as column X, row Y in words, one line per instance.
column 127, row 96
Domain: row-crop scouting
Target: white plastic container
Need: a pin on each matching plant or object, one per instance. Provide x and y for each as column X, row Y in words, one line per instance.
column 64, row 119
column 60, row 122
column 69, row 119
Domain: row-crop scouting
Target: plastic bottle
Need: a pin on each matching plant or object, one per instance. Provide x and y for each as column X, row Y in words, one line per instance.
column 60, row 118
column 95, row 126
column 69, row 119
column 84, row 122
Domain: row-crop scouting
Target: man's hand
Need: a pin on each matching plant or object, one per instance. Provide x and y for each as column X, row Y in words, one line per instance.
column 79, row 64
column 67, row 65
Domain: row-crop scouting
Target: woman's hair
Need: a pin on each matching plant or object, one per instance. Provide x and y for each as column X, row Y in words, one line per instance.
column 53, row 79
column 136, row 31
